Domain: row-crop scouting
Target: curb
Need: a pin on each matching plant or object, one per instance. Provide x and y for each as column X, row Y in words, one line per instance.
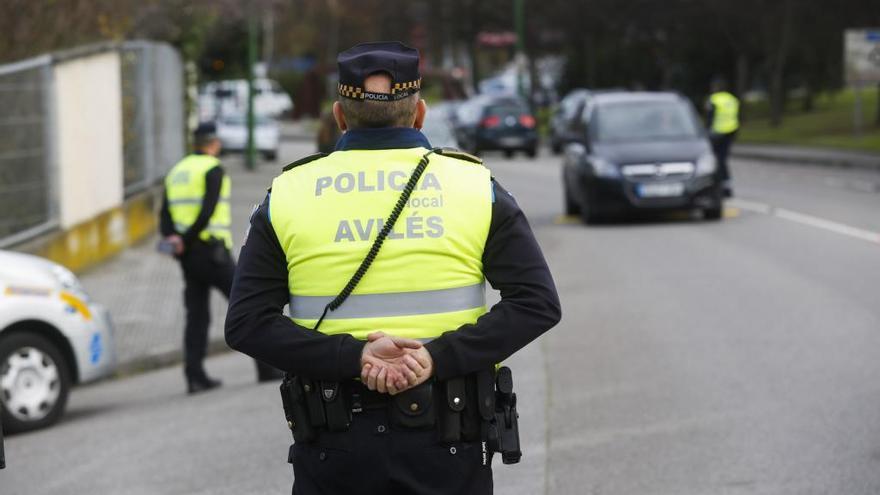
column 162, row 359
column 809, row 156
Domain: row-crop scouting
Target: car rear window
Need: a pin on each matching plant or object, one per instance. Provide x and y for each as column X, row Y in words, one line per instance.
column 505, row 110
column 644, row 121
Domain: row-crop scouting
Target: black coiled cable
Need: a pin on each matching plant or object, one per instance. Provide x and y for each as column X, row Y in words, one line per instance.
column 380, row 238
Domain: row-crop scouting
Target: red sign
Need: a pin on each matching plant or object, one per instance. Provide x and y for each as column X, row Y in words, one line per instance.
column 499, row 39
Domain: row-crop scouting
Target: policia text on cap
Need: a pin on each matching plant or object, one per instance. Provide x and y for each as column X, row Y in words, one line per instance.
column 382, row 248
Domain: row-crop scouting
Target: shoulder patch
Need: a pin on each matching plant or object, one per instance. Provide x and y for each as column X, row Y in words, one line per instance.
column 461, row 155
column 304, row 160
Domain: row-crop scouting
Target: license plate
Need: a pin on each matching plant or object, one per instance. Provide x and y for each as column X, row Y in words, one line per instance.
column 511, row 141
column 663, row 190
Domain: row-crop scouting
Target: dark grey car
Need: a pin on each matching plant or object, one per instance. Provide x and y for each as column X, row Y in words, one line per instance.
column 639, row 151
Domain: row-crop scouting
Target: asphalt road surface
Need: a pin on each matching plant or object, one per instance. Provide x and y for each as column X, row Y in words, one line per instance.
column 737, row 357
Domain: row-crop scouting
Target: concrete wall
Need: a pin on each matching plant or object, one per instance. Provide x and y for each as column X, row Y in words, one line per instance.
column 89, row 135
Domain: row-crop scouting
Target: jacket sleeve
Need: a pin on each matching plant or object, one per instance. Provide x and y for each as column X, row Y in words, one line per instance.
column 166, row 224
column 710, row 114
column 256, row 325
column 529, row 306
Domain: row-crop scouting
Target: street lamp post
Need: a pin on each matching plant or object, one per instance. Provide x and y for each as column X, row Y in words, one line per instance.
column 250, row 155
column 519, row 19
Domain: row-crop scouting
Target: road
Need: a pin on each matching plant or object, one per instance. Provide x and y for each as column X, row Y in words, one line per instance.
column 735, row 357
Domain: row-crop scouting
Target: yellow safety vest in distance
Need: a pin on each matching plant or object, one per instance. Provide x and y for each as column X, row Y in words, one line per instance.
column 185, row 189
column 428, row 276
column 726, row 117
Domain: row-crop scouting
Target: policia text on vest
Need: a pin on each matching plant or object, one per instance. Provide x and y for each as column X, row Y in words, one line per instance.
column 416, row 226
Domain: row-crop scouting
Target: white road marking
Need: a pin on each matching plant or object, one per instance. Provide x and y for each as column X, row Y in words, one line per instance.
column 828, row 225
column 809, row 220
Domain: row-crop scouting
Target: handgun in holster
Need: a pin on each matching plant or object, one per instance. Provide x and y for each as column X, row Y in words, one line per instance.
column 498, row 410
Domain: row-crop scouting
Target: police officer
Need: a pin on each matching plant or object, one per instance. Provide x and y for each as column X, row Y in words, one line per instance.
column 722, row 117
column 2, row 454
column 414, row 322
column 195, row 221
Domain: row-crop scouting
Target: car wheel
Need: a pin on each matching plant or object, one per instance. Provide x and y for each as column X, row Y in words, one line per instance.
column 571, row 208
column 588, row 215
column 556, row 148
column 713, row 213
column 270, row 155
column 532, row 152
column 508, row 154
column 34, row 382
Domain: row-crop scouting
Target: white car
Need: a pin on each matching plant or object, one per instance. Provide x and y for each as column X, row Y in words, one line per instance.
column 51, row 337
column 232, row 131
column 229, row 97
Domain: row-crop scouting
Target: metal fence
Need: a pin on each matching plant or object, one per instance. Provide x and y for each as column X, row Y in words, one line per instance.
column 153, row 130
column 28, row 203
column 153, row 112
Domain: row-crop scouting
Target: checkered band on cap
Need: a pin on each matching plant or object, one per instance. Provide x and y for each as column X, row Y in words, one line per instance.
column 359, row 62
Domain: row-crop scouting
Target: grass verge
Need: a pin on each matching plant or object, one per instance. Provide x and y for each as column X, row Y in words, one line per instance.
column 828, row 125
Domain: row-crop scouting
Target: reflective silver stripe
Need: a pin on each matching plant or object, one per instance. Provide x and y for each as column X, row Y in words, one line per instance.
column 391, row 304
column 192, row 201
column 180, row 227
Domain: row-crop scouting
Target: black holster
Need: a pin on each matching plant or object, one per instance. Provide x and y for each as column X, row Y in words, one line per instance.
column 296, row 410
column 498, row 411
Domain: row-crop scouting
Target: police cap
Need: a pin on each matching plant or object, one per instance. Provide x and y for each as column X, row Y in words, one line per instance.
column 205, row 131
column 392, row 57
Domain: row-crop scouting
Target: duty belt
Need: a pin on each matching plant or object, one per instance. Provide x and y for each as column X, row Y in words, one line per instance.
column 479, row 406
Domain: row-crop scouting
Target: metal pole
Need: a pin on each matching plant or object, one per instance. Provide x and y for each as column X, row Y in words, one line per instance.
column 519, row 18
column 857, row 116
column 250, row 155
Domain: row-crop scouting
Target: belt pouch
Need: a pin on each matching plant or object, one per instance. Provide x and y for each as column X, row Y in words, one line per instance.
column 315, row 405
column 486, row 394
column 453, row 397
column 336, row 408
column 470, row 417
column 413, row 408
column 295, row 410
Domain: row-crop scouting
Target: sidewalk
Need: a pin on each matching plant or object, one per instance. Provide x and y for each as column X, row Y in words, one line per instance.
column 807, row 156
column 144, row 289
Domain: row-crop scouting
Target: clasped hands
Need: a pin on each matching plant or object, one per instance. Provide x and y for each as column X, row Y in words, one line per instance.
column 393, row 364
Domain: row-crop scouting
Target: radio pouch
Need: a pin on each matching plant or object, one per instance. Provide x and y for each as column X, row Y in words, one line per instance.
column 336, row 407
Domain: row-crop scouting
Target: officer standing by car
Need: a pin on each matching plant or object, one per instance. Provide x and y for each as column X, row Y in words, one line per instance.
column 407, row 316
column 2, row 453
column 722, row 118
column 195, row 222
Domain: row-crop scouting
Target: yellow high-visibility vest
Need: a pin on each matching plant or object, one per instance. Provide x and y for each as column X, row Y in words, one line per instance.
column 427, row 278
column 185, row 189
column 726, row 117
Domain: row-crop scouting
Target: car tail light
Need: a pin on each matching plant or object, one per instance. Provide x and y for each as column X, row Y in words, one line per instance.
column 527, row 121
column 490, row 121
